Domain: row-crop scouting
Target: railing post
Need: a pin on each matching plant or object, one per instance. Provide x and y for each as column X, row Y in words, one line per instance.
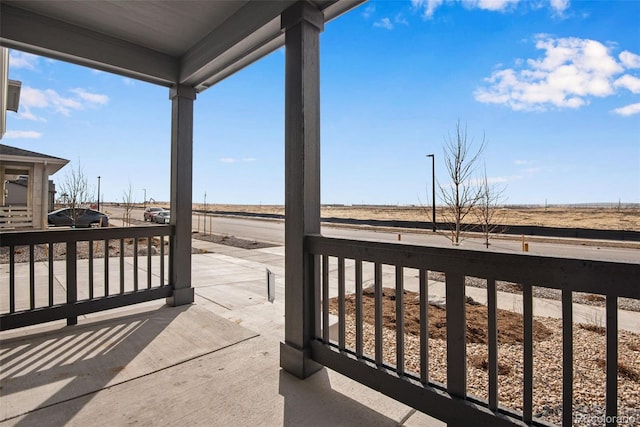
column 72, row 279
column 302, row 23
column 456, row 335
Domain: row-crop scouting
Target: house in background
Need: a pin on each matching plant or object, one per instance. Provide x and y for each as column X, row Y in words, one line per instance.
column 26, row 195
column 16, row 192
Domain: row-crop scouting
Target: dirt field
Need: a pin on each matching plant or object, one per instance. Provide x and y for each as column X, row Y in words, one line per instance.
column 569, row 217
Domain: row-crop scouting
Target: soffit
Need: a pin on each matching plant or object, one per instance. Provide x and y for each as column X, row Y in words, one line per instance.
column 196, row 43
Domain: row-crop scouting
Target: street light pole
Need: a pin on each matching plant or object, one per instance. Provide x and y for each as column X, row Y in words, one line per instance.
column 98, row 192
column 145, row 197
column 433, row 188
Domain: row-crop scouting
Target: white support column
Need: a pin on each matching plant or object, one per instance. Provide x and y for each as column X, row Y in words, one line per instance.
column 182, row 98
column 303, row 23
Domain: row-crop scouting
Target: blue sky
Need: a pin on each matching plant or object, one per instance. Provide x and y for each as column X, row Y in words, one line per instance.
column 554, row 87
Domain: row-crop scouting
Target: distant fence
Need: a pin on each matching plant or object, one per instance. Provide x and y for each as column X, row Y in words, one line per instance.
column 15, row 217
column 528, row 230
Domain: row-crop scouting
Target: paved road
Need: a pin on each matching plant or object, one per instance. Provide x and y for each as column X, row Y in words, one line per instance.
column 273, row 231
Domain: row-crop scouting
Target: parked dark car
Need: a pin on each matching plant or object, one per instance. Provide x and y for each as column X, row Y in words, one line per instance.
column 163, row 217
column 81, row 217
column 149, row 213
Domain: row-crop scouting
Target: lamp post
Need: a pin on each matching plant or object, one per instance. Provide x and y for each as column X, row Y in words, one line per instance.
column 98, row 192
column 145, row 198
column 433, row 188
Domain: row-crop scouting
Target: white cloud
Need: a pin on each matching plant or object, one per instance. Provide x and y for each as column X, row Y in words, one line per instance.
column 92, row 98
column 571, row 71
column 127, row 81
column 521, row 162
column 15, row 134
column 227, row 160
column 559, row 6
column 629, row 60
column 384, row 23
column 492, row 5
column 368, row 11
column 25, row 60
column 628, row 110
column 400, row 19
column 429, row 6
column 629, row 82
column 32, row 98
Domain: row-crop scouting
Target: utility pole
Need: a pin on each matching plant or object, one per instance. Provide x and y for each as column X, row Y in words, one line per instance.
column 98, row 192
column 145, row 198
column 433, row 189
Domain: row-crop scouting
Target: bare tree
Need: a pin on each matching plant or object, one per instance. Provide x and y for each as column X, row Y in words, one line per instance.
column 487, row 211
column 461, row 195
column 128, row 201
column 76, row 189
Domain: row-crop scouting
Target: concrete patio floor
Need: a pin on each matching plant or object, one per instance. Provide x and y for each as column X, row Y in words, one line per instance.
column 214, row 363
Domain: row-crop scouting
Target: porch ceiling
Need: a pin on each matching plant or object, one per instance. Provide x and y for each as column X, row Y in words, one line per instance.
column 195, row 43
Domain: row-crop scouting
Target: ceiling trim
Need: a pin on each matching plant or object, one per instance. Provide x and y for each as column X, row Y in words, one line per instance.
column 253, row 18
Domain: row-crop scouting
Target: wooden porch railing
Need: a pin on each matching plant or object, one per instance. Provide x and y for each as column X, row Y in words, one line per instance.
column 70, row 272
column 451, row 402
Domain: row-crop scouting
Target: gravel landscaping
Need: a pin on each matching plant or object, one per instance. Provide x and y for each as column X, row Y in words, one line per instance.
column 589, row 358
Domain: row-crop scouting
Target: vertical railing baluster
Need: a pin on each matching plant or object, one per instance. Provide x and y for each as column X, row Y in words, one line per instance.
column 32, row 277
column 162, row 261
column 527, row 314
column 72, row 279
column 399, row 320
column 325, row 299
column 51, row 277
column 317, row 295
column 12, row 279
column 492, row 325
column 106, row 267
column 90, row 243
column 456, row 334
column 149, row 262
column 121, row 266
column 341, row 305
column 612, row 360
column 359, row 319
column 567, row 358
column 378, row 312
column 424, row 326
column 135, row 263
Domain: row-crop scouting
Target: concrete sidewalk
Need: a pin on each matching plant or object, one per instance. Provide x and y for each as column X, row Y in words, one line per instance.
column 215, row 362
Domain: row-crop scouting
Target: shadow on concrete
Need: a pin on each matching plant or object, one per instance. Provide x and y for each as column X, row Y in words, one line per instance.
column 75, row 363
column 313, row 402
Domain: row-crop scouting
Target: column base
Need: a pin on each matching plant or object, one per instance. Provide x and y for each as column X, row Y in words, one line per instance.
column 297, row 362
column 181, row 296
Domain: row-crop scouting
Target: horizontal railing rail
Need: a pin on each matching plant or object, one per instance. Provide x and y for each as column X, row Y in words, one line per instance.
column 65, row 273
column 451, row 402
column 12, row 217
